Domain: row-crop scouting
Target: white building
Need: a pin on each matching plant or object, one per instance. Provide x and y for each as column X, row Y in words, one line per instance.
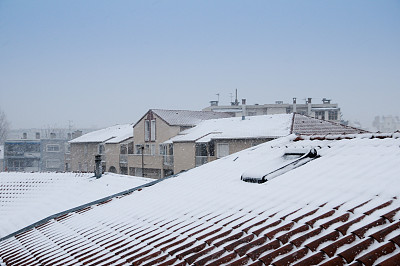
column 325, row 110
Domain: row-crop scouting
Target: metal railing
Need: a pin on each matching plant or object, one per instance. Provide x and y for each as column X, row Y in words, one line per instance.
column 168, row 160
column 200, row 160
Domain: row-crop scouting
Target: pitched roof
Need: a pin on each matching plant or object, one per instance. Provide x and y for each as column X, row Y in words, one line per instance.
column 113, row 134
column 187, row 117
column 342, row 207
column 263, row 126
column 306, row 125
column 29, row 197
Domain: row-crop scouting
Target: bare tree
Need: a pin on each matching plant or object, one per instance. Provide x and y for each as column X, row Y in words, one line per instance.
column 4, row 127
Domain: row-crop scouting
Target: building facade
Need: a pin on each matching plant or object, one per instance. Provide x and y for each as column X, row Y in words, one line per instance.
column 105, row 142
column 152, row 158
column 33, row 155
column 324, row 111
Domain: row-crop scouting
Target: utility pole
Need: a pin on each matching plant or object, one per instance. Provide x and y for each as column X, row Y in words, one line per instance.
column 142, row 148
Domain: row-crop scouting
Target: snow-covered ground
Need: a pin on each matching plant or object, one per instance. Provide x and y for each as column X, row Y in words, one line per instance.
column 26, row 198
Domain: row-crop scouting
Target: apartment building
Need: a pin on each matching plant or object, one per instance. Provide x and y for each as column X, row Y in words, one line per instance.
column 105, row 142
column 35, row 154
column 325, row 110
column 152, row 158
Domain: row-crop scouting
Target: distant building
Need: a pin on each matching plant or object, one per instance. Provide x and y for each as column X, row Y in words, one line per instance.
column 105, row 142
column 324, row 111
column 34, row 154
column 386, row 123
column 1, row 158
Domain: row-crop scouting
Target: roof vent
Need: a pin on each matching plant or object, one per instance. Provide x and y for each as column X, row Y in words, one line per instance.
column 297, row 158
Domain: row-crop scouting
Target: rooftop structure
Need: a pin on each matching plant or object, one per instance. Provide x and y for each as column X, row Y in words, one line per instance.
column 340, row 208
column 324, row 111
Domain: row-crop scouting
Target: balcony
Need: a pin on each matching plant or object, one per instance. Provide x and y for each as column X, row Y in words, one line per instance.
column 168, row 160
column 200, row 160
column 123, row 158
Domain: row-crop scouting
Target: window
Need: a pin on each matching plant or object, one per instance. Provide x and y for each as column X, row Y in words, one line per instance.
column 123, row 149
column 153, row 149
column 333, row 115
column 53, row 147
column 53, row 164
column 320, row 115
column 153, row 130
column 67, row 148
column 146, row 130
column 163, row 149
column 201, row 149
column 138, row 149
column 101, row 149
column 130, row 148
column 222, row 149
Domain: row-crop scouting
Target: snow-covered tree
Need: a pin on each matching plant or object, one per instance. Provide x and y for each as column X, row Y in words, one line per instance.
column 4, row 126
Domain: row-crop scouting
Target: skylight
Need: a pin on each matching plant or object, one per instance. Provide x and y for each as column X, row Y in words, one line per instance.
column 291, row 159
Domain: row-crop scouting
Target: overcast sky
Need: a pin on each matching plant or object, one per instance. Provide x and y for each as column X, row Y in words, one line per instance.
column 100, row 63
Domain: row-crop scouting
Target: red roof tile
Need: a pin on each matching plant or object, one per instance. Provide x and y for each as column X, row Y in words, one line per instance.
column 328, row 231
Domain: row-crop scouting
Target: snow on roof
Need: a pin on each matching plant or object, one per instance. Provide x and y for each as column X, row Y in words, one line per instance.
column 187, row 117
column 263, row 126
column 29, row 197
column 114, row 134
column 340, row 208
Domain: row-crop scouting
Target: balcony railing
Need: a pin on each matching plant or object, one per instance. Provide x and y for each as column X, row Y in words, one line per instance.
column 200, row 160
column 168, row 160
column 123, row 158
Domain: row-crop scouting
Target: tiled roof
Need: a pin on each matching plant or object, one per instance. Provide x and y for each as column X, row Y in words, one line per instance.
column 26, row 198
column 114, row 134
column 186, row 117
column 341, row 208
column 306, row 125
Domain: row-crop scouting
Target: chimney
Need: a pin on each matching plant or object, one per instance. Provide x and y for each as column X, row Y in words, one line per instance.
column 24, row 135
column 52, row 135
column 97, row 171
column 76, row 134
column 243, row 109
column 309, row 107
column 37, row 135
column 294, row 105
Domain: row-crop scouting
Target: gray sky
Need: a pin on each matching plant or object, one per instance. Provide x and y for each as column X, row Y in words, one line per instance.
column 99, row 63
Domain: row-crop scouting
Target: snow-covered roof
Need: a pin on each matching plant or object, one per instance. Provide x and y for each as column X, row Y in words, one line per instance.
column 26, row 198
column 113, row 134
column 340, row 208
column 187, row 117
column 263, row 126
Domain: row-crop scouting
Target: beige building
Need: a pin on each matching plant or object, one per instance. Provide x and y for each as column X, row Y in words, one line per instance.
column 152, row 158
column 213, row 139
column 106, row 142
